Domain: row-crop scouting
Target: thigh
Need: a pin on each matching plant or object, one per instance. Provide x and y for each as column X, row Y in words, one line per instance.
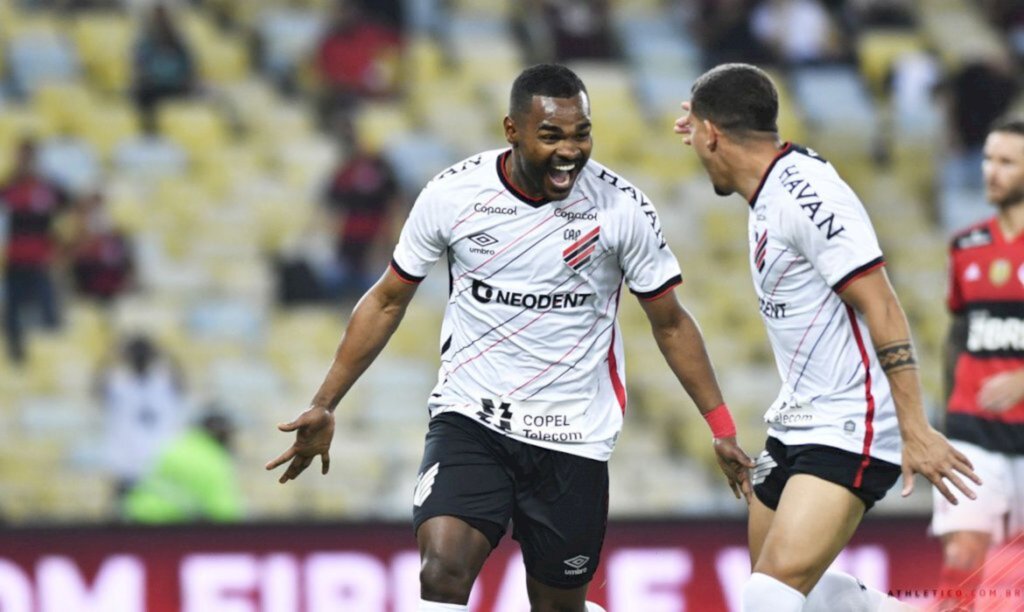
column 759, row 520
column 986, row 513
column 544, row 598
column 813, row 522
column 560, row 516
column 462, row 475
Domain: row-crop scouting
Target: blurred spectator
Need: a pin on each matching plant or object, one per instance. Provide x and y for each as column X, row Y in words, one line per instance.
column 102, row 265
column 143, row 398
column 797, row 31
column 360, row 195
column 194, row 478
column 566, row 30
column 979, row 93
column 724, row 30
column 163, row 64
column 356, row 59
column 32, row 204
column 862, row 14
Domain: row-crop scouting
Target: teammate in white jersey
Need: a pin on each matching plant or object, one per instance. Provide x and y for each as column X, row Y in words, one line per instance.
column 850, row 391
column 530, row 395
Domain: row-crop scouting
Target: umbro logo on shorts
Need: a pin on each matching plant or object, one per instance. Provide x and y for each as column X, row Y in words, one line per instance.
column 425, row 485
column 762, row 467
column 577, row 564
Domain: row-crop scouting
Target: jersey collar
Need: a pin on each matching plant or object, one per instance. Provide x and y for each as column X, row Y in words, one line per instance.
column 787, row 147
column 507, row 182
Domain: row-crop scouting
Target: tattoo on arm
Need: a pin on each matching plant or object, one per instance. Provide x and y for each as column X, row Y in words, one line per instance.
column 897, row 356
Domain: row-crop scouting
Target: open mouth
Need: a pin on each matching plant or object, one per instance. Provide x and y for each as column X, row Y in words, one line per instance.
column 562, row 176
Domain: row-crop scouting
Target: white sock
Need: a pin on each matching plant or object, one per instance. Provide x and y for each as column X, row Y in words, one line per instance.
column 840, row 592
column 762, row 593
column 434, row 606
column 593, row 607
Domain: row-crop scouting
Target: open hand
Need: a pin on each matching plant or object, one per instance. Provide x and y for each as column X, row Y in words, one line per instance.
column 314, row 430
column 736, row 465
column 930, row 454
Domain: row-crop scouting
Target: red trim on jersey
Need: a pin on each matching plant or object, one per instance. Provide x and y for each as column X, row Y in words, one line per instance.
column 402, row 275
column 871, row 266
column 586, row 253
column 786, row 148
column 869, row 417
column 613, row 371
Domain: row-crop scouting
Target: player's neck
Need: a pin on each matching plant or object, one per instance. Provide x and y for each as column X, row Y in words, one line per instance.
column 1011, row 220
column 751, row 166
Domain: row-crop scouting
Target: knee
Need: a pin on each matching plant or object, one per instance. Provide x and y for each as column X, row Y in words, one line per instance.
column 788, row 570
column 445, row 579
column 965, row 551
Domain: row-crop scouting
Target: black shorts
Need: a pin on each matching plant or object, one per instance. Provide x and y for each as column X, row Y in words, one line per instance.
column 557, row 502
column 825, row 462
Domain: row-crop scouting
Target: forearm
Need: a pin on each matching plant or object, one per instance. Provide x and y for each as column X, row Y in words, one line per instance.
column 890, row 334
column 682, row 344
column 373, row 322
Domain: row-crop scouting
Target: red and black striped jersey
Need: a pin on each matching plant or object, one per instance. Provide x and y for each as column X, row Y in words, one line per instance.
column 986, row 286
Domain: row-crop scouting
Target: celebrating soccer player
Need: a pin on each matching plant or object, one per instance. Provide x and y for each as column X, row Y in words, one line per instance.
column 530, row 396
column 849, row 413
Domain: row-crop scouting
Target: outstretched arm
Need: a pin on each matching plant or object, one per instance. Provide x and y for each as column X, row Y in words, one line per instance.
column 374, row 319
column 925, row 451
column 682, row 344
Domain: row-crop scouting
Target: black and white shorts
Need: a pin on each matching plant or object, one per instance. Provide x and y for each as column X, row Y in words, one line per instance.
column 557, row 502
column 778, row 462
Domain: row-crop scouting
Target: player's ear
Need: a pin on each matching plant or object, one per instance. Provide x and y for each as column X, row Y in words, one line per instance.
column 712, row 134
column 511, row 134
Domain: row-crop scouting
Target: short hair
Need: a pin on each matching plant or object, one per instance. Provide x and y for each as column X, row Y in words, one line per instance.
column 552, row 80
column 736, row 98
column 1011, row 125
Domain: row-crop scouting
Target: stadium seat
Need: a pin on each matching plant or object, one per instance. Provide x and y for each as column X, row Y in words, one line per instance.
column 194, row 125
column 104, row 42
column 39, row 53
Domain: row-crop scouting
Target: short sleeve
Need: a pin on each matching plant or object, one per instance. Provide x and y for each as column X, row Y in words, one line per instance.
column 423, row 239
column 834, row 234
column 649, row 266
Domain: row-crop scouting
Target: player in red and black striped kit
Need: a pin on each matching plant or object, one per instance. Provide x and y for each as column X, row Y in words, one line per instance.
column 985, row 366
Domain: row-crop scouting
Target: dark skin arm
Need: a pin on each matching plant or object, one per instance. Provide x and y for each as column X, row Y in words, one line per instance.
column 374, row 320
column 681, row 343
column 925, row 451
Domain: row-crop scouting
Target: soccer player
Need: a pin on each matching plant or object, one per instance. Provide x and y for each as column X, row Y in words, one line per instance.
column 985, row 370
column 530, row 396
column 850, row 390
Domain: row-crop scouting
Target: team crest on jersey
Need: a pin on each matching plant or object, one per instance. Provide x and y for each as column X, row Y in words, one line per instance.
column 760, row 250
column 972, row 273
column 579, row 253
column 999, row 272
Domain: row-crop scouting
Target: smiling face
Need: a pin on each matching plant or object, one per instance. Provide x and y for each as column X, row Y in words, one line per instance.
column 550, row 145
column 1003, row 168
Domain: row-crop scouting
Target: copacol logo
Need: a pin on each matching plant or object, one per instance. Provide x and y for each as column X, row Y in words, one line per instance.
column 486, row 294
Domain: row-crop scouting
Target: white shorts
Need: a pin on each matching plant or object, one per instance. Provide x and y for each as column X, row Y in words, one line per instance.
column 999, row 508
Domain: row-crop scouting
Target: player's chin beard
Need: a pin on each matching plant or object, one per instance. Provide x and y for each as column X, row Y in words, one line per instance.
column 722, row 191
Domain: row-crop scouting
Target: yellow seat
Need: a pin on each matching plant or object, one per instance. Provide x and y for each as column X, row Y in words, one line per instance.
column 878, row 50
column 107, row 124
column 65, row 105
column 104, row 42
column 194, row 126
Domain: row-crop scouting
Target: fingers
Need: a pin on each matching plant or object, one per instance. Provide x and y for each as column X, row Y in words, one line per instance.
column 908, row 480
column 285, row 456
column 325, row 462
column 748, row 489
column 959, row 484
column 298, row 465
column 286, row 427
column 941, row 486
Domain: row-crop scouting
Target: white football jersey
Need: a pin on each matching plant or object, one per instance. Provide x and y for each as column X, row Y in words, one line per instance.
column 530, row 345
column 809, row 238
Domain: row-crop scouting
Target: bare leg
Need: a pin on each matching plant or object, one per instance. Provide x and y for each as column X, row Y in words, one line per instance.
column 451, row 555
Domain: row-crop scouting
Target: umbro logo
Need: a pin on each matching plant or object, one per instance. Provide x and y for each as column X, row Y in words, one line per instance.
column 578, row 565
column 483, row 239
